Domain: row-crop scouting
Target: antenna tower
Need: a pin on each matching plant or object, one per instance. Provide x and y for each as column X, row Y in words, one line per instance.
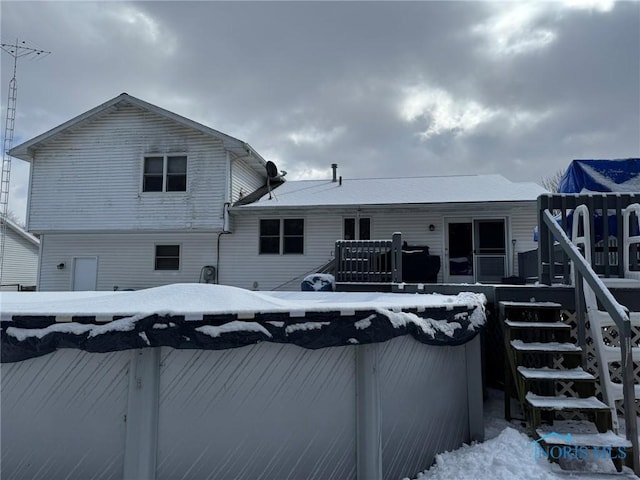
column 17, row 50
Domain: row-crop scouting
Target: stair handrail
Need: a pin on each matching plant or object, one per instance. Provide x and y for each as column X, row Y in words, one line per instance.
column 327, row 267
column 620, row 315
column 629, row 238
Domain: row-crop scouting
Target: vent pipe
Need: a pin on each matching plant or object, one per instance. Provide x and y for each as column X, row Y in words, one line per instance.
column 334, row 167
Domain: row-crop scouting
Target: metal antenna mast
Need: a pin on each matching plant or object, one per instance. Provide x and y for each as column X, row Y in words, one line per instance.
column 17, row 50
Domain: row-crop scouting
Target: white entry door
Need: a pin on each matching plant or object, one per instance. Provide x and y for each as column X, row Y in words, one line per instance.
column 85, row 273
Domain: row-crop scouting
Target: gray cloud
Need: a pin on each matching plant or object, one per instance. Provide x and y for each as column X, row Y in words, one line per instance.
column 382, row 88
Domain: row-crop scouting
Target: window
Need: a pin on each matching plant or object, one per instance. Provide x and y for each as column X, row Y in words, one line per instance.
column 284, row 236
column 167, row 257
column 293, row 236
column 357, row 230
column 270, row 236
column 166, row 173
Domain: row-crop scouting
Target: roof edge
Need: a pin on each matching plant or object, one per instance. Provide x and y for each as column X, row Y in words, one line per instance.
column 21, row 231
column 23, row 151
column 253, row 207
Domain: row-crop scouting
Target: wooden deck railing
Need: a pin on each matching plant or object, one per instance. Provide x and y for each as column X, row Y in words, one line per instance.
column 554, row 265
column 369, row 261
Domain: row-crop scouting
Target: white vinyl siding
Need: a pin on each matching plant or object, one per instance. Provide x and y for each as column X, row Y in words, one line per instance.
column 241, row 263
column 125, row 260
column 244, row 180
column 523, row 222
column 90, row 178
column 243, row 266
column 20, row 264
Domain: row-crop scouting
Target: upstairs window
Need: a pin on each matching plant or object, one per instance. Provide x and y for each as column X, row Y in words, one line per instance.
column 164, row 173
column 167, row 257
column 357, row 229
column 282, row 236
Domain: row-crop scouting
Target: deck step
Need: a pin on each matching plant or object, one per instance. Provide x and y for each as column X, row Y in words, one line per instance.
column 545, row 347
column 550, row 325
column 538, row 305
column 565, row 403
column 546, row 373
column 582, row 434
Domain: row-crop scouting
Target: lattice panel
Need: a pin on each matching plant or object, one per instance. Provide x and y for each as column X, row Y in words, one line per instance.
column 611, row 337
column 566, row 388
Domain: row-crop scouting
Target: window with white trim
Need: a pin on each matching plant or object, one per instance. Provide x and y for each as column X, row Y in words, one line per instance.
column 164, row 173
column 167, row 257
column 357, row 228
column 282, row 236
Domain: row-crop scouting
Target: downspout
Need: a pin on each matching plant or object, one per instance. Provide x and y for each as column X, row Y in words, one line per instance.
column 28, row 216
column 225, row 231
column 229, row 180
column 225, row 212
column 40, row 255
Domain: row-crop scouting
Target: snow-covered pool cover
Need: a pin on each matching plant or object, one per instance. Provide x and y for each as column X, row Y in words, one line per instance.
column 215, row 317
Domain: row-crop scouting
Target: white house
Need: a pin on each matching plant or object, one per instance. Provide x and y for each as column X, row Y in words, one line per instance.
column 128, row 195
column 20, row 258
column 476, row 224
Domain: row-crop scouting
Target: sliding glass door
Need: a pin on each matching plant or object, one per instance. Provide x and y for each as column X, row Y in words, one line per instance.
column 475, row 250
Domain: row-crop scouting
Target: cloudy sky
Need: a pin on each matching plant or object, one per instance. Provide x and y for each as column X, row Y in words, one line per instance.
column 381, row 88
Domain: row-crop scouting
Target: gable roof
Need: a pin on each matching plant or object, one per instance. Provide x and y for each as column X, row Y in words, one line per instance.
column 21, row 232
column 398, row 191
column 25, row 150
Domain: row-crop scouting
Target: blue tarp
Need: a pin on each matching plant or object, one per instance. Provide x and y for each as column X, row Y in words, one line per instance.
column 601, row 176
column 585, row 176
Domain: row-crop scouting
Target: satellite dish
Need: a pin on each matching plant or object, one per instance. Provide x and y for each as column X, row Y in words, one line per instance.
column 272, row 170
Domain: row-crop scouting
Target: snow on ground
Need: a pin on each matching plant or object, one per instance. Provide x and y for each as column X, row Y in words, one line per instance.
column 508, row 454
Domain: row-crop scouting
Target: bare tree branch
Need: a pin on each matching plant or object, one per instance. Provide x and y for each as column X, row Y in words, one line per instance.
column 11, row 215
column 552, row 182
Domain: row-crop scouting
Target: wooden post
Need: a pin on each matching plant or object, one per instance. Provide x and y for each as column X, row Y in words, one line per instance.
column 544, row 255
column 580, row 316
column 338, row 261
column 396, row 257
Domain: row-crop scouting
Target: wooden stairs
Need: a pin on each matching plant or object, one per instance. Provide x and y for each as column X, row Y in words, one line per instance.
column 545, row 374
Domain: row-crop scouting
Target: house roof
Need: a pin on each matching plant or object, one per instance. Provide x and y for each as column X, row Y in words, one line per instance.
column 21, row 232
column 398, row 191
column 25, row 150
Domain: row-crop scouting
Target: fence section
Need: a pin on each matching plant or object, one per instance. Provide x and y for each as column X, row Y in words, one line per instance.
column 607, row 211
column 369, row 261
